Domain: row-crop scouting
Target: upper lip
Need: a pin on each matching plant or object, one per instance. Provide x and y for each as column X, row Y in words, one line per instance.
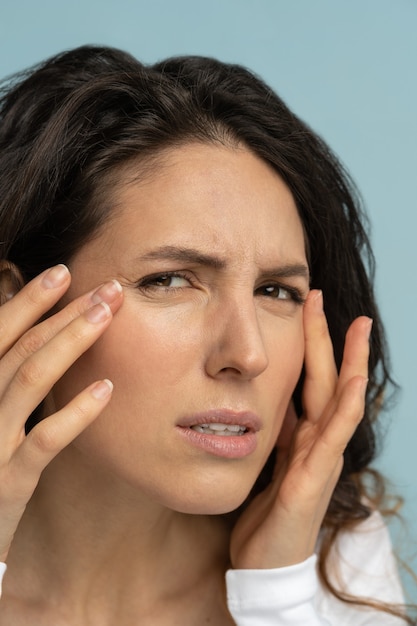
column 247, row 419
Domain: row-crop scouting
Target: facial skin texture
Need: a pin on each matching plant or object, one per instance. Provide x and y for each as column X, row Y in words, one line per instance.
column 216, row 337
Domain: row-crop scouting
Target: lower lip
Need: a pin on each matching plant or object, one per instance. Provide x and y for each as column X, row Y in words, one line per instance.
column 229, row 447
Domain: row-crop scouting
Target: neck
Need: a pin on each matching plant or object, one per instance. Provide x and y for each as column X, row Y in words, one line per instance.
column 87, row 538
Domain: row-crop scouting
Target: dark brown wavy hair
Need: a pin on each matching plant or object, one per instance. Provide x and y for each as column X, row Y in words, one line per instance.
column 69, row 127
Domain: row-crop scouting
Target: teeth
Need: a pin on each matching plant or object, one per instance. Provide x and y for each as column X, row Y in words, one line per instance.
column 222, row 430
column 233, row 427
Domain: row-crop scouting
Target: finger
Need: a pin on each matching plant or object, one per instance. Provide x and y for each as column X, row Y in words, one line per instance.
column 356, row 351
column 354, row 363
column 53, row 434
column 24, row 309
column 35, row 338
column 35, row 377
column 320, row 369
column 335, row 433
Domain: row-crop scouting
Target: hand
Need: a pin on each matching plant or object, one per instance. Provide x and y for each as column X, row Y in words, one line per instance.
column 280, row 527
column 32, row 359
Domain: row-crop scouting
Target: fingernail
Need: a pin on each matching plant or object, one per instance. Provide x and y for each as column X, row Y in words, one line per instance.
column 107, row 292
column 369, row 327
column 102, row 389
column 364, row 385
column 55, row 277
column 98, row 313
column 318, row 300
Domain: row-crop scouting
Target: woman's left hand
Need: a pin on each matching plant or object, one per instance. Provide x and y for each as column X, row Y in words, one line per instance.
column 281, row 526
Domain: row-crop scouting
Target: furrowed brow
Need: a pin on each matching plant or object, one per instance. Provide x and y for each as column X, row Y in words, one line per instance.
column 196, row 257
column 290, row 270
column 184, row 255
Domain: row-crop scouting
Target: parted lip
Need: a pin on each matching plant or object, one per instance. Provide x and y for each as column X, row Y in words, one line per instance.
column 246, row 419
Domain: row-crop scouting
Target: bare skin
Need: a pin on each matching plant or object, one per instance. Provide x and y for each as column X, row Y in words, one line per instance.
column 112, row 538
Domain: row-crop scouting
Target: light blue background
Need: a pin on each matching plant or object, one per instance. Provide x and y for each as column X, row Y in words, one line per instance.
column 349, row 68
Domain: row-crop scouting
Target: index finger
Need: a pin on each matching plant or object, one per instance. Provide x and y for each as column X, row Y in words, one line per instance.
column 356, row 351
column 320, row 367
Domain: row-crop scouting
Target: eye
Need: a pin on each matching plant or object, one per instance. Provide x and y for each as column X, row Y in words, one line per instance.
column 279, row 292
column 168, row 280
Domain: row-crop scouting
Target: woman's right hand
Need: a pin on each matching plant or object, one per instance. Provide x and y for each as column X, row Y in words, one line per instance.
column 33, row 356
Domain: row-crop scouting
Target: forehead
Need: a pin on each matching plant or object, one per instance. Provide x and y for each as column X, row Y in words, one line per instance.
column 213, row 197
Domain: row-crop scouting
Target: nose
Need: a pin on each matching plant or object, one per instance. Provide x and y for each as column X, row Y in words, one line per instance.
column 237, row 346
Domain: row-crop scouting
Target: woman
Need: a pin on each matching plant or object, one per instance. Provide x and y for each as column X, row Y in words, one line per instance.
column 203, row 226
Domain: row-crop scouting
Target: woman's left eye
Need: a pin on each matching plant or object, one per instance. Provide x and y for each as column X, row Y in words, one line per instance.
column 166, row 281
column 278, row 292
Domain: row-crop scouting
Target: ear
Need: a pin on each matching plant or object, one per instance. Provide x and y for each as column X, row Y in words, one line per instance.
column 11, row 280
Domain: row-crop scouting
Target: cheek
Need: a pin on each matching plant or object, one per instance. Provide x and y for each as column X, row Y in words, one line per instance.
column 145, row 355
column 286, row 358
column 286, row 349
column 153, row 351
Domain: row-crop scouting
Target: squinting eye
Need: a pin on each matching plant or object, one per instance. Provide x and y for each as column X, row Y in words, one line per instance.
column 275, row 291
column 168, row 280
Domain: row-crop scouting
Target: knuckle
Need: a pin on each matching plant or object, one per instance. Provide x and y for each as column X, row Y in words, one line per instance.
column 32, row 296
column 43, row 438
column 80, row 412
column 29, row 343
column 29, row 373
column 78, row 332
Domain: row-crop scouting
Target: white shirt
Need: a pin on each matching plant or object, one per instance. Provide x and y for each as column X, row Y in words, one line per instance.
column 361, row 562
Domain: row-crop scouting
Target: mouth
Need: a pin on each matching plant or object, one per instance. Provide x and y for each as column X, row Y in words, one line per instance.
column 222, row 432
column 222, row 422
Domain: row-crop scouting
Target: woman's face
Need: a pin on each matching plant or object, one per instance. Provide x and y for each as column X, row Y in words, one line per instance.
column 210, row 252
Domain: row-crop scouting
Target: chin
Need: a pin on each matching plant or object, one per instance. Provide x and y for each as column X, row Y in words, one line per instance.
column 209, row 499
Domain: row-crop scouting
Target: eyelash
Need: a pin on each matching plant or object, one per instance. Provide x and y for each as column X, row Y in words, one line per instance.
column 148, row 284
column 295, row 294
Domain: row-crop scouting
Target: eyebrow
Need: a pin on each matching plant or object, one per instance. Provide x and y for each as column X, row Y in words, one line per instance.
column 188, row 255
column 196, row 257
